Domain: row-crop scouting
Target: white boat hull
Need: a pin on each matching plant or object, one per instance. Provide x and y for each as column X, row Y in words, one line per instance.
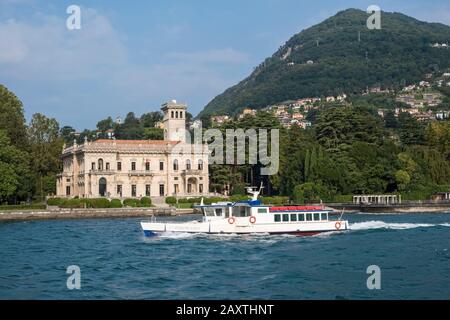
column 243, row 226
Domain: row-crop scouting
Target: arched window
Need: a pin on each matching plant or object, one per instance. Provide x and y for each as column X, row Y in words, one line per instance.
column 181, row 114
column 172, row 114
column 200, row 164
column 175, row 165
column 188, row 164
column 100, row 164
column 176, row 114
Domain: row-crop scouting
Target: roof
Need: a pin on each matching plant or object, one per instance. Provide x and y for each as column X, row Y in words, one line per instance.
column 150, row 142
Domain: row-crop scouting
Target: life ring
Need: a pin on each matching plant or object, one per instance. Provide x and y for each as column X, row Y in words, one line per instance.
column 337, row 225
column 231, row 220
column 252, row 219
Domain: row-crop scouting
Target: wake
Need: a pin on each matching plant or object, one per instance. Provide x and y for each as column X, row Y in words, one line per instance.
column 367, row 225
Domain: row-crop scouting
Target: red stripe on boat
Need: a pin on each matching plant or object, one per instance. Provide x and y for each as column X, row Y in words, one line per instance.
column 296, row 208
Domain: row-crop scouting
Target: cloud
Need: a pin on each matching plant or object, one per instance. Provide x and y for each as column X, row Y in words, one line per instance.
column 68, row 73
column 48, row 47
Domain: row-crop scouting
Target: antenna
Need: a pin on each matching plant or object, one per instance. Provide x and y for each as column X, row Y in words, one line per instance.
column 255, row 193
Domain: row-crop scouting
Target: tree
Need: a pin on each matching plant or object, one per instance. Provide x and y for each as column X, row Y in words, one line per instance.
column 149, row 120
column 402, row 179
column 13, row 168
column 67, row 133
column 12, row 120
column 45, row 147
column 390, row 120
column 411, row 131
column 104, row 125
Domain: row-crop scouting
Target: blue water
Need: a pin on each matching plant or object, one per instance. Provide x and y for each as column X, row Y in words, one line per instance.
column 118, row 262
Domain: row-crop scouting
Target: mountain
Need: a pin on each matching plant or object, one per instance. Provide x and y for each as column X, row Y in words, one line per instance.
column 346, row 57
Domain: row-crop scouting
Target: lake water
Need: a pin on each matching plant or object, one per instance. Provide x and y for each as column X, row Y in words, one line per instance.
column 118, row 262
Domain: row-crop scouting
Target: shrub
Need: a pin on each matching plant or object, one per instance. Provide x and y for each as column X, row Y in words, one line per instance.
column 71, row 203
column 238, row 197
column 277, row 200
column 145, row 202
column 171, row 200
column 54, row 201
column 115, row 203
column 22, row 207
column 131, row 203
column 99, row 203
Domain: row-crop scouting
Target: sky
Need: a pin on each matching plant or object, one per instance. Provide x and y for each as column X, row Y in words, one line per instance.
column 135, row 55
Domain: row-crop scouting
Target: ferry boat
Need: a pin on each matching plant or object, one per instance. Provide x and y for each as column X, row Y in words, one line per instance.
column 252, row 217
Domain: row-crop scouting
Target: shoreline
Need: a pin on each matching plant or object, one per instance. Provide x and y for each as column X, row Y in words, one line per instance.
column 28, row 215
column 61, row 214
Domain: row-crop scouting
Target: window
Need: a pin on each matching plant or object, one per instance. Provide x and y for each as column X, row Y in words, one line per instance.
column 147, row 190
column 68, row 180
column 175, row 165
column 301, row 217
column 188, row 164
column 93, row 166
column 161, row 190
column 293, row 217
column 147, row 166
column 161, row 165
column 262, row 210
column 285, row 217
column 323, row 216
column 175, row 187
column 133, row 166
column 133, row 190
column 316, row 216
column 241, row 211
column 176, row 114
column 119, row 166
column 68, row 191
column 277, row 218
column 309, row 217
column 200, row 188
column 172, row 115
column 100, row 164
column 119, row 190
column 107, row 166
column 189, row 188
column 200, row 165
column 219, row 212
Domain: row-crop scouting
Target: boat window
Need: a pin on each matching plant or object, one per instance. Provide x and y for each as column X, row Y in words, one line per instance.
column 301, row 217
column 316, row 216
column 285, row 217
column 219, row 212
column 262, row 210
column 309, row 217
column 324, row 216
column 209, row 212
column 277, row 218
column 293, row 217
column 241, row 211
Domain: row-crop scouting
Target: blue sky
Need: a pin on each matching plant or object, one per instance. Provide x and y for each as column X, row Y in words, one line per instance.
column 134, row 55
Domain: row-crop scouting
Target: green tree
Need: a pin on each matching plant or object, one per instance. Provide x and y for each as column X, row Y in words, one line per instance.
column 14, row 169
column 12, row 120
column 45, row 147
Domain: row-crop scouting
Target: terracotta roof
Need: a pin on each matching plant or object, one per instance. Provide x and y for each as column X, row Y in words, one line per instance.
column 157, row 142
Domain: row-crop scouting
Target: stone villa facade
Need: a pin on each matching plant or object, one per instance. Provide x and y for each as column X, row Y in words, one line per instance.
column 137, row 168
